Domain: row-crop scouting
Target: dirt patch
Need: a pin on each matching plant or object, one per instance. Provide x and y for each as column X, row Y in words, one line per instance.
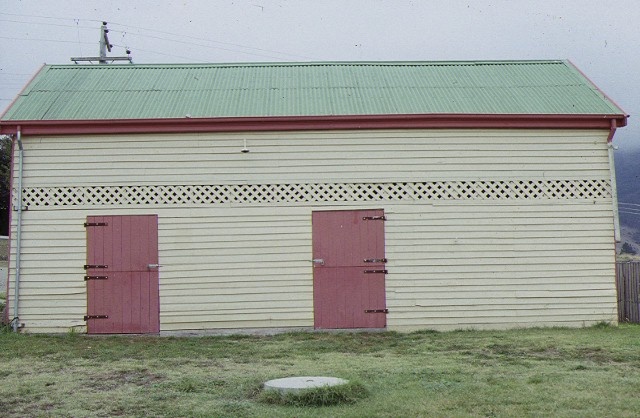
column 113, row 380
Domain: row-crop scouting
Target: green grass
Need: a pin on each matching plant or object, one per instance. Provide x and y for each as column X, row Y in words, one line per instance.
column 590, row 372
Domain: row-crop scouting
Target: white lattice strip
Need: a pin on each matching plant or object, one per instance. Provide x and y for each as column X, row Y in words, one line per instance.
column 318, row 192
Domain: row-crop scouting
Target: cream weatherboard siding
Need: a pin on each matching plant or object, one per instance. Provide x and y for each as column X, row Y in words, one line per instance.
column 503, row 255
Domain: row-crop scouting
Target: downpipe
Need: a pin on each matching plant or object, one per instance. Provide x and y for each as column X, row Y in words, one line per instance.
column 16, row 289
column 614, row 189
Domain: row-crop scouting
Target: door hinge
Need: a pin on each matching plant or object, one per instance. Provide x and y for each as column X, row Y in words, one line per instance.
column 376, row 271
column 87, row 317
column 376, row 311
column 86, row 224
column 374, row 218
column 95, row 266
column 375, row 260
column 95, row 278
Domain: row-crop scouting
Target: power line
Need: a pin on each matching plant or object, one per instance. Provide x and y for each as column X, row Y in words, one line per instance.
column 210, row 46
column 46, row 24
column 206, row 46
column 44, row 17
column 211, row 41
column 77, row 21
column 629, row 213
column 261, row 50
column 44, row 40
column 91, row 43
column 163, row 53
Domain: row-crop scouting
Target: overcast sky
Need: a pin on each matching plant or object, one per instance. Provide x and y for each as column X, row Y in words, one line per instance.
column 601, row 37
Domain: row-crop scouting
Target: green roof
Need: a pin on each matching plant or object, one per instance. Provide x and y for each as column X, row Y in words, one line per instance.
column 133, row 91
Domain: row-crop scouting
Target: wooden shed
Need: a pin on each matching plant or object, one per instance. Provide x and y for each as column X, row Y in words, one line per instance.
column 349, row 195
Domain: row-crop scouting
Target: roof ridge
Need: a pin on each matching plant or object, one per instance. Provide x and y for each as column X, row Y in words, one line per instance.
column 313, row 63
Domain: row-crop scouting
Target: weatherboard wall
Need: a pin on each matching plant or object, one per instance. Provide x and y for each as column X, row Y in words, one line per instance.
column 515, row 229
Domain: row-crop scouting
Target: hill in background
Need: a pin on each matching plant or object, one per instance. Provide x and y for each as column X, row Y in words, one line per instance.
column 628, row 183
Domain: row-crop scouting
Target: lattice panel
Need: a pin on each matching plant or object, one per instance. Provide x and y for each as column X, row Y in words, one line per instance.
column 318, row 192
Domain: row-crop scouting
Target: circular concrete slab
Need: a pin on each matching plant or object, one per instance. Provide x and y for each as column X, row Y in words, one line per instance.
column 296, row 384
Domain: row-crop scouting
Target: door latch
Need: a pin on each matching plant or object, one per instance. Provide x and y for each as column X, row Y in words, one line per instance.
column 153, row 266
column 86, row 224
column 95, row 278
column 87, row 317
column 95, row 266
column 376, row 311
column 319, row 261
column 375, row 260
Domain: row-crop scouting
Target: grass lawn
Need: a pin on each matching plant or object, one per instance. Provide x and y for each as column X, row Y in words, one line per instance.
column 590, row 372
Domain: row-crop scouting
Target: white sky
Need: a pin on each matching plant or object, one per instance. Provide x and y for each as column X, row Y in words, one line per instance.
column 601, row 37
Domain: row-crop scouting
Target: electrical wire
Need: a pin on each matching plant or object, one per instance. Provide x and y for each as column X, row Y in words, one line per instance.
column 266, row 53
column 209, row 40
column 624, row 212
column 44, row 40
column 45, row 24
column 78, row 34
column 45, row 17
column 206, row 46
column 162, row 53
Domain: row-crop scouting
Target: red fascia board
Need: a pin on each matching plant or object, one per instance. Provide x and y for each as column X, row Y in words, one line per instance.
column 293, row 123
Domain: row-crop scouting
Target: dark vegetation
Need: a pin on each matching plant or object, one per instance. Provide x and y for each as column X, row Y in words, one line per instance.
column 628, row 184
column 627, row 249
column 5, row 176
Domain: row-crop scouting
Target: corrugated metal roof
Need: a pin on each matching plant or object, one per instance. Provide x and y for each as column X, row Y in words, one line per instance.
column 80, row 92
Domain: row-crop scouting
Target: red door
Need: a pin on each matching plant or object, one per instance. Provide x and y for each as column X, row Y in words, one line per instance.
column 349, row 269
column 122, row 275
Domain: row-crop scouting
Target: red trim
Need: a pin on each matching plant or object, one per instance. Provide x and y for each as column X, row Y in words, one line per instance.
column 290, row 123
